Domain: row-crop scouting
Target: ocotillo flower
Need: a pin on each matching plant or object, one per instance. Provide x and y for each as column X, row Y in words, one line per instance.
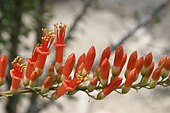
column 155, row 77
column 43, row 50
column 31, row 66
column 139, row 65
column 3, row 66
column 123, row 61
column 46, row 84
column 146, row 64
column 79, row 62
column 115, row 83
column 104, row 72
column 92, row 84
column 33, row 79
column 60, row 31
column 17, row 73
column 117, row 61
column 147, row 76
column 106, row 54
column 89, row 60
column 129, row 80
column 131, row 63
column 68, row 67
column 162, row 60
column 67, row 85
column 166, row 68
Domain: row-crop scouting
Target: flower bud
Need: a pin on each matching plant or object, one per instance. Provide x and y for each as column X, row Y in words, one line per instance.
column 129, row 80
column 115, row 83
column 89, row 60
column 68, row 67
column 92, row 84
column 155, row 77
column 3, row 66
column 106, row 54
column 146, row 64
column 46, row 85
column 104, row 72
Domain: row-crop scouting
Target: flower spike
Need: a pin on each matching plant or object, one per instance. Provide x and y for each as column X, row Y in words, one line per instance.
column 3, row 66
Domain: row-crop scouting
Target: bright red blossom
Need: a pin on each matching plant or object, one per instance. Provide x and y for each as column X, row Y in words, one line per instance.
column 106, row 54
column 3, row 66
column 148, row 60
column 88, row 62
column 68, row 67
column 130, row 78
column 156, row 74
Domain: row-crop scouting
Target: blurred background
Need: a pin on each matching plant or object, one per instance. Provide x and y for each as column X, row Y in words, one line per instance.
column 141, row 25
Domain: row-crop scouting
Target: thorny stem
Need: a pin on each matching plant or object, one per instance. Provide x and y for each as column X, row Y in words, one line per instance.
column 164, row 83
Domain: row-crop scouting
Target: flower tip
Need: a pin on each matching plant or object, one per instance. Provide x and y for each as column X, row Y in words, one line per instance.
column 148, row 59
column 167, row 64
column 106, row 54
column 163, row 60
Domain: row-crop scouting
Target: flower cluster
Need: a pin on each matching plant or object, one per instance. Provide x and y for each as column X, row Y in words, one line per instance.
column 59, row 76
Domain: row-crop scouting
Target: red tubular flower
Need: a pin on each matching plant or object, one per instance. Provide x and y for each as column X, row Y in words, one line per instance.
column 89, row 60
column 148, row 60
column 155, row 77
column 17, row 73
column 117, row 61
column 132, row 60
column 68, row 67
column 123, row 62
column 166, row 68
column 146, row 64
column 162, row 60
column 43, row 50
column 67, row 85
column 167, row 64
column 129, row 80
column 79, row 62
column 104, row 72
column 60, row 31
column 147, row 76
column 33, row 79
column 30, row 67
column 156, row 74
column 118, row 56
column 139, row 65
column 115, row 83
column 3, row 66
column 46, row 85
column 106, row 54
column 92, row 84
